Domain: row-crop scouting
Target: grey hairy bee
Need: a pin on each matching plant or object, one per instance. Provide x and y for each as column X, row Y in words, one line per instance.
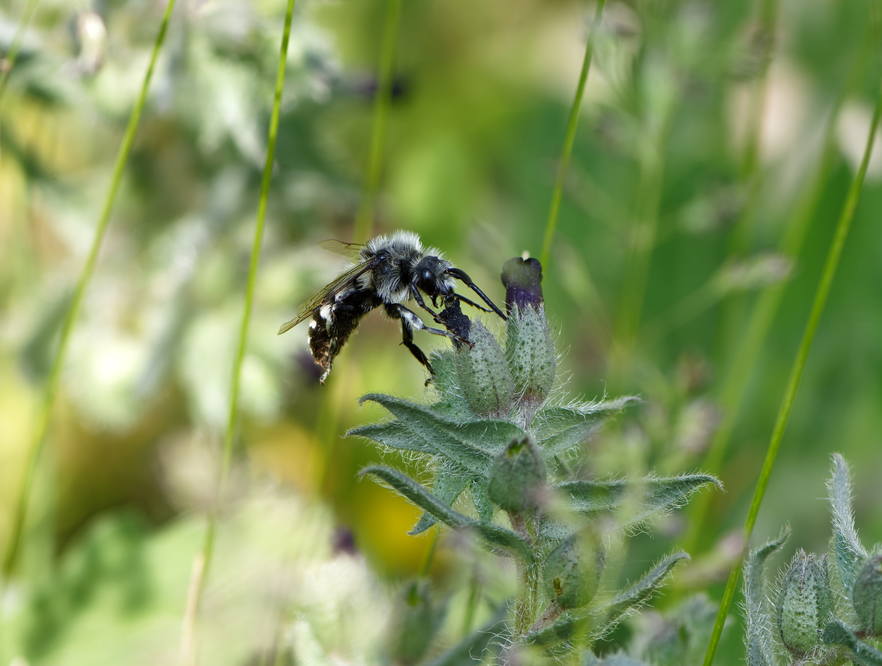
column 391, row 271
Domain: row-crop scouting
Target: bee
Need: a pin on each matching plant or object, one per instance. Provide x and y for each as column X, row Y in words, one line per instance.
column 390, row 272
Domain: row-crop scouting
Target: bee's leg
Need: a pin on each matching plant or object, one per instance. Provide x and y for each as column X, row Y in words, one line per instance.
column 407, row 341
column 468, row 301
column 463, row 276
column 418, row 297
column 417, row 324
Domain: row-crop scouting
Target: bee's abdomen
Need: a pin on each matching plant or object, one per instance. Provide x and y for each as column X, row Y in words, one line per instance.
column 333, row 323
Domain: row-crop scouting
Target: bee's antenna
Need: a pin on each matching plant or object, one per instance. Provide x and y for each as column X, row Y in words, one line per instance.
column 463, row 276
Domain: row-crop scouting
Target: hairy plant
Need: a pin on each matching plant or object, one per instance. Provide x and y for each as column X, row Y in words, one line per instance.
column 495, row 434
column 828, row 607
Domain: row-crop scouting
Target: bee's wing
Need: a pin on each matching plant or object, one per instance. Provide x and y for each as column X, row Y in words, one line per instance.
column 351, row 250
column 326, row 294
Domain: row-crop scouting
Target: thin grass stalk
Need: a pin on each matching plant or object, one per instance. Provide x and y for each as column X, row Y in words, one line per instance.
column 364, row 221
column 750, row 344
column 15, row 46
column 830, row 266
column 205, row 557
column 569, row 138
column 750, row 167
column 44, row 415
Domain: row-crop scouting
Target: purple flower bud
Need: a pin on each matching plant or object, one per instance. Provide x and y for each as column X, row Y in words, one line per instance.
column 523, row 283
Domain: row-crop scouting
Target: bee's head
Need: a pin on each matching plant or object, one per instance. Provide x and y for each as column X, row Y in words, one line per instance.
column 430, row 276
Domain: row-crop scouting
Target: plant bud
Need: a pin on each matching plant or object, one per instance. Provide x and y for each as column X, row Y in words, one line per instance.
column 523, row 283
column 804, row 604
column 572, row 571
column 484, row 375
column 529, row 345
column 517, row 476
column 866, row 595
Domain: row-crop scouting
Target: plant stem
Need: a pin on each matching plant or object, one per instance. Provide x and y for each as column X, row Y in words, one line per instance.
column 830, row 266
column 750, row 343
column 8, row 61
column 44, row 415
column 750, row 171
column 233, row 414
column 527, row 604
column 569, row 138
column 364, row 221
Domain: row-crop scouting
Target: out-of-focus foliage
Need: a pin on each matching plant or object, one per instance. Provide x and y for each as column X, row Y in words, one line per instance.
column 657, row 187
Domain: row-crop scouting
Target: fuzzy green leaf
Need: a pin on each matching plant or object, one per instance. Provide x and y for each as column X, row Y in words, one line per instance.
column 469, row 445
column 862, row 654
column 452, row 401
column 848, row 552
column 641, row 591
column 497, row 538
column 758, row 633
column 483, row 505
column 559, row 429
column 663, row 494
column 448, row 485
column 392, row 434
column 480, row 644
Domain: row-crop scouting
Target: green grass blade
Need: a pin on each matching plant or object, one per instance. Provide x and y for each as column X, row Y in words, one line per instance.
column 830, row 266
column 570, row 138
column 44, row 415
column 364, row 222
column 8, row 62
column 750, row 343
column 204, row 562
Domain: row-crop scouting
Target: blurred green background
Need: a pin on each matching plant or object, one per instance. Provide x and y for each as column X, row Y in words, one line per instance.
column 668, row 231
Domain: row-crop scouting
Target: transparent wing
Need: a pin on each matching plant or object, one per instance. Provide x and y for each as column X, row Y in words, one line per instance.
column 326, row 294
column 351, row 250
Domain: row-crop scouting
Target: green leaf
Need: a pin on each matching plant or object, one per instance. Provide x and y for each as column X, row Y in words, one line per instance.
column 448, row 485
column 758, row 632
column 497, row 538
column 392, row 434
column 559, row 429
column 480, row 644
column 483, row 505
column 663, row 494
column 641, row 591
column 848, row 552
column 469, row 445
column 862, row 654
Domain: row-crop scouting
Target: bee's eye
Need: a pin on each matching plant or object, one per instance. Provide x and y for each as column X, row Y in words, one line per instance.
column 427, row 276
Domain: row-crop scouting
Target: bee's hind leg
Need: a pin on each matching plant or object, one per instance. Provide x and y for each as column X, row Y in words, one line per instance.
column 407, row 341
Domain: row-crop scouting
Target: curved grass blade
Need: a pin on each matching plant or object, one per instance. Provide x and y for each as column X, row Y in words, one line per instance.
column 569, row 139
column 204, row 560
column 497, row 537
column 11, row 56
column 44, row 416
column 364, row 220
column 750, row 341
column 820, row 300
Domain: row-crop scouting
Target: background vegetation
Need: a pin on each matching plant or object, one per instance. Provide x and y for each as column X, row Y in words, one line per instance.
column 708, row 133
